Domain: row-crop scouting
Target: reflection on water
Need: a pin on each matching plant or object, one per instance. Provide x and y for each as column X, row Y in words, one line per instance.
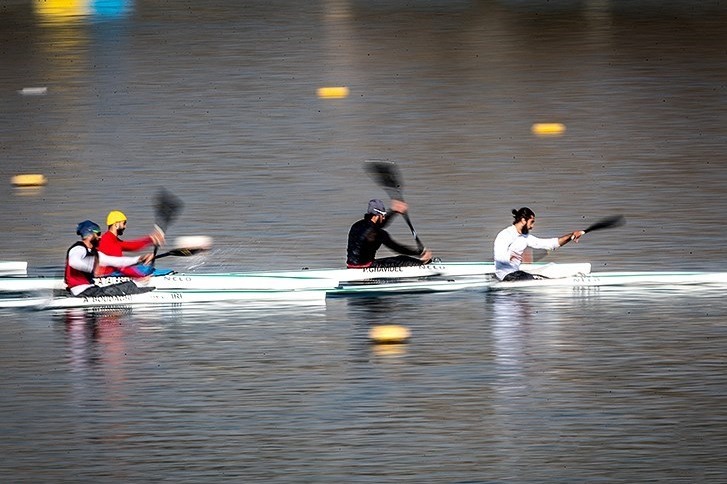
column 512, row 325
column 501, row 378
column 93, row 335
column 97, row 355
column 56, row 12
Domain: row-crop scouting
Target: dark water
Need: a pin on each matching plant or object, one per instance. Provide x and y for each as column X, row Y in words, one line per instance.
column 217, row 103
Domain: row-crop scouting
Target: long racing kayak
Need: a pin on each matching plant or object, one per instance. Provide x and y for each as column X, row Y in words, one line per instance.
column 171, row 298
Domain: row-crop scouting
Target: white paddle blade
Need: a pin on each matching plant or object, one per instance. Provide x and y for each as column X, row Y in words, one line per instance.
column 193, row 242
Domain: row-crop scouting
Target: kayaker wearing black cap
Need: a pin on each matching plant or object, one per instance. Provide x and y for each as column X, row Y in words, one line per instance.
column 368, row 234
column 82, row 259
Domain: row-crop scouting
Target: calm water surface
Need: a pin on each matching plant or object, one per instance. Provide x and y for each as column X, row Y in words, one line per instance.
column 217, row 103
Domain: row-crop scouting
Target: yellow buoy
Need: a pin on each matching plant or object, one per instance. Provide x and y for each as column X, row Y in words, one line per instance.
column 339, row 92
column 58, row 10
column 28, row 180
column 548, row 129
column 389, row 334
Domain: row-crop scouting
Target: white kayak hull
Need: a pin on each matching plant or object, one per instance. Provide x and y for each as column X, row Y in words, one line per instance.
column 13, row 268
column 439, row 269
column 426, row 278
column 435, row 277
column 170, row 298
column 181, row 282
column 430, row 284
column 616, row 279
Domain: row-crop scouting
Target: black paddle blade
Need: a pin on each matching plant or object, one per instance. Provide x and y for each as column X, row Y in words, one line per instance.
column 386, row 174
column 607, row 223
column 182, row 252
column 166, row 207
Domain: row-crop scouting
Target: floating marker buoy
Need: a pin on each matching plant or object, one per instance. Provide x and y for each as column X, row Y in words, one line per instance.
column 389, row 334
column 332, row 92
column 32, row 180
column 34, row 91
column 548, row 129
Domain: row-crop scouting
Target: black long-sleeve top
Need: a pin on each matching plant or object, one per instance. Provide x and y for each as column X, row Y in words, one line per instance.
column 365, row 238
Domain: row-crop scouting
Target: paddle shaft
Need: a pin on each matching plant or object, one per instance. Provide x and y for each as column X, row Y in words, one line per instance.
column 166, row 209
column 606, row 223
column 386, row 174
column 180, row 252
column 420, row 246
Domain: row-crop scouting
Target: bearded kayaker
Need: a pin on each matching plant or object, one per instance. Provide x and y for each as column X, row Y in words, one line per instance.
column 367, row 235
column 512, row 241
column 83, row 258
column 111, row 244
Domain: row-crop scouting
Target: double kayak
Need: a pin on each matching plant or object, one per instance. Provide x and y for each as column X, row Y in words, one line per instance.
column 170, row 298
column 180, row 282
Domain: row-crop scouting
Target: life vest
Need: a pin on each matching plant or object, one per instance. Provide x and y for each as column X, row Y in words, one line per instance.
column 74, row 277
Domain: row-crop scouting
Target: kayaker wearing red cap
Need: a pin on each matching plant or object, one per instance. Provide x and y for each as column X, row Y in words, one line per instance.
column 368, row 235
column 82, row 259
column 111, row 244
